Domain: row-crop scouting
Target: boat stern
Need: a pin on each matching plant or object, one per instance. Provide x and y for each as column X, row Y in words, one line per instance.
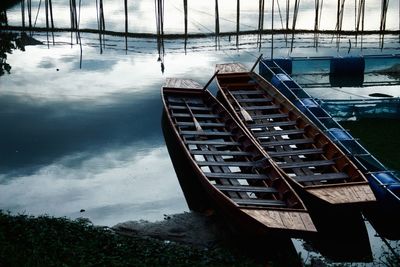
column 347, row 194
column 293, row 223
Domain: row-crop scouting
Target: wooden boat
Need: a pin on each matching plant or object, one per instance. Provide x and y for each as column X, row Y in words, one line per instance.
column 235, row 174
column 308, row 158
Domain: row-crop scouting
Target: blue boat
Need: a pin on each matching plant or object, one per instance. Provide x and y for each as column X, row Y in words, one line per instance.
column 385, row 216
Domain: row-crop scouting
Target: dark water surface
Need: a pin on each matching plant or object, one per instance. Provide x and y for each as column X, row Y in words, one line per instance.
column 85, row 132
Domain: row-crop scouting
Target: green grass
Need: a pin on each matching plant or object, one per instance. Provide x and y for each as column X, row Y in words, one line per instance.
column 49, row 241
column 380, row 137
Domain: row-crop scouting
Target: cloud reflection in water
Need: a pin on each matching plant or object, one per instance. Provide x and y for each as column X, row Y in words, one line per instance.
column 117, row 185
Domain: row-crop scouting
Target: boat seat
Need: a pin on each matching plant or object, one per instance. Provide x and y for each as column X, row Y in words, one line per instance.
column 211, row 142
column 272, row 124
column 296, row 152
column 229, row 163
column 233, row 175
column 202, row 124
column 246, row 92
column 321, row 177
column 197, row 115
column 264, row 107
column 220, row 153
column 192, row 100
column 245, row 188
column 305, row 164
column 259, row 202
column 204, row 108
column 278, row 133
column 270, row 116
column 254, row 100
column 206, row 133
column 288, row 142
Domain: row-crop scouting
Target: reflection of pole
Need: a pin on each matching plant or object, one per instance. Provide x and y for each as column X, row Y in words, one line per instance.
column 51, row 19
column 216, row 25
column 295, row 12
column 237, row 21
column 185, row 9
column 46, row 4
column 29, row 4
column 126, row 24
column 23, row 14
column 272, row 33
column 261, row 5
column 382, row 28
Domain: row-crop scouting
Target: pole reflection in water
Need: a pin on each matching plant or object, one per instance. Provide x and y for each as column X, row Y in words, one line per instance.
column 159, row 10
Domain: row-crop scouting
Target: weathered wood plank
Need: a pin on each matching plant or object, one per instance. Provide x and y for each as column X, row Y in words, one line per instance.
column 211, row 142
column 278, row 133
column 181, row 83
column 296, row 152
column 340, row 194
column 228, row 163
column 259, row 202
column 254, row 100
column 221, row 153
column 305, row 164
column 206, row 133
column 232, row 175
column 244, row 188
column 230, row 68
column 288, row 142
column 321, row 177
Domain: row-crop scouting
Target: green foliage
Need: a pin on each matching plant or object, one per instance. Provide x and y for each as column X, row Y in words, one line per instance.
column 49, row 241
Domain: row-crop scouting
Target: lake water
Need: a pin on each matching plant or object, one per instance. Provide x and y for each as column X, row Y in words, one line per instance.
column 81, row 126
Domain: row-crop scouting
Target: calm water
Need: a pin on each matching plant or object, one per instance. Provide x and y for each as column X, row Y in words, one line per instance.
column 85, row 133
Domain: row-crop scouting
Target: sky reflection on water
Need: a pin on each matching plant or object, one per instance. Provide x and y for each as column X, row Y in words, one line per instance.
column 88, row 136
column 79, row 138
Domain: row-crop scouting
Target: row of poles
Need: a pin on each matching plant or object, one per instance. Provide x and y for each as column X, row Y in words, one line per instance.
column 29, row 21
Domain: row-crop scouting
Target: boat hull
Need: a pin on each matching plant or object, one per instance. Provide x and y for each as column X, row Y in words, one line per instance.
column 248, row 221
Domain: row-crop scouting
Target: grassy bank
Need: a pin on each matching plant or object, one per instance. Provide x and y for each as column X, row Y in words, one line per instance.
column 48, row 241
column 380, row 137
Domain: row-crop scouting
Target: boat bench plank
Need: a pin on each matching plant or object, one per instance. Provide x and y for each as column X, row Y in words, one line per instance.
column 221, row 153
column 270, row 116
column 210, row 142
column 305, row 164
column 197, row 115
column 264, row 107
column 202, row 124
column 288, row 142
column 321, row 177
column 234, row 175
column 246, row 92
column 278, row 133
column 229, row 163
column 259, row 202
column 192, row 100
column 246, row 188
column 191, row 107
column 206, row 133
column 272, row 124
column 254, row 100
column 296, row 152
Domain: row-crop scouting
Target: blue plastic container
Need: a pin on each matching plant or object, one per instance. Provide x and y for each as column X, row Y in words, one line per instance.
column 286, row 64
column 386, row 178
column 347, row 65
column 339, row 134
